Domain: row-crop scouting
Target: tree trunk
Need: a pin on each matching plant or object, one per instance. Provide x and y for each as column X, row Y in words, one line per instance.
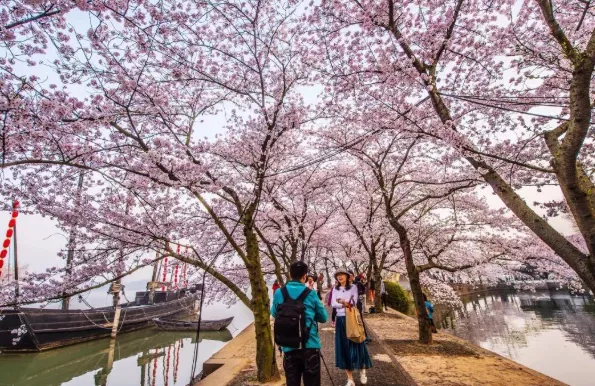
column 278, row 273
column 329, row 283
column 260, row 305
column 425, row 329
column 423, row 322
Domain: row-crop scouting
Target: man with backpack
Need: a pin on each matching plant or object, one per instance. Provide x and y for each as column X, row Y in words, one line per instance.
column 297, row 310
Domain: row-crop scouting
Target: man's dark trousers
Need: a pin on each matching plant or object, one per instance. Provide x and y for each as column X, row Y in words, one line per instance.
column 302, row 363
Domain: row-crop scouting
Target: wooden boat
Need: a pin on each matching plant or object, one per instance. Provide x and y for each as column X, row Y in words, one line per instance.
column 33, row 329
column 191, row 325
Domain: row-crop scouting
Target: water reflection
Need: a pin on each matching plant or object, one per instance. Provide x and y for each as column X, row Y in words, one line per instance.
column 552, row 332
column 151, row 349
column 147, row 357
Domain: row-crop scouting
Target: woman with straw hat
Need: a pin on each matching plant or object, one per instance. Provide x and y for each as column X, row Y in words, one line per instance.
column 349, row 355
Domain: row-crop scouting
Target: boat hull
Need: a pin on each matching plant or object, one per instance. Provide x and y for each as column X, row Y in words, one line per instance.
column 33, row 330
column 183, row 325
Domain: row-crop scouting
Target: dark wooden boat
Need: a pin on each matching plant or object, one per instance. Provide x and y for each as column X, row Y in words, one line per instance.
column 33, row 329
column 191, row 325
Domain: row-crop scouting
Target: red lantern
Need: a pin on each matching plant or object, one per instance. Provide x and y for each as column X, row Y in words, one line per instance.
column 1, row 264
column 3, row 253
column 15, row 214
column 6, row 243
column 12, row 223
column 9, row 233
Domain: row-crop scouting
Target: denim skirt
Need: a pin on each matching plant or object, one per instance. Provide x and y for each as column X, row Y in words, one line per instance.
column 349, row 355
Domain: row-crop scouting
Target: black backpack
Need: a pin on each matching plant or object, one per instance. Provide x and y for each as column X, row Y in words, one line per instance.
column 290, row 324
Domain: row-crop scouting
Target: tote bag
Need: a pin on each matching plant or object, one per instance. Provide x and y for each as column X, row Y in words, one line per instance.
column 354, row 324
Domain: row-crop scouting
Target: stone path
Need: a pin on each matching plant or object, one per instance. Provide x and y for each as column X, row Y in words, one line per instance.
column 384, row 372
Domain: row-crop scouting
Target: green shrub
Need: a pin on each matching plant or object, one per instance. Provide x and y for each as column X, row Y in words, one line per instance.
column 397, row 297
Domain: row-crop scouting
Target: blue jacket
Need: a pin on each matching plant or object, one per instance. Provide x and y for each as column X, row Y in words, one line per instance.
column 315, row 311
column 430, row 309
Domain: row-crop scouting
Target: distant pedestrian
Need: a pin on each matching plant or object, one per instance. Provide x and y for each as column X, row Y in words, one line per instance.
column 430, row 310
column 320, row 283
column 349, row 356
column 311, row 283
column 361, row 294
column 297, row 310
column 276, row 286
column 383, row 294
column 371, row 290
column 330, row 304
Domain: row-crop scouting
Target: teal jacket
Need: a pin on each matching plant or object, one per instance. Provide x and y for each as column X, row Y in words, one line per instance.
column 430, row 309
column 315, row 311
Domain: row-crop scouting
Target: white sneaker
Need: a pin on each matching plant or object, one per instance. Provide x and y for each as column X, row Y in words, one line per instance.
column 350, row 383
column 363, row 378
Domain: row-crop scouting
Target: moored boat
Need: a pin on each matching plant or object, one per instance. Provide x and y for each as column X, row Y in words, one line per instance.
column 191, row 325
column 32, row 329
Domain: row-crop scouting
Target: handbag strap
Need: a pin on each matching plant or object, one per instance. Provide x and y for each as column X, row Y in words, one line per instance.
column 351, row 303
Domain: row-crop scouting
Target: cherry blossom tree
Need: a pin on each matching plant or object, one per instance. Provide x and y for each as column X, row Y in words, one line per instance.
column 508, row 86
column 151, row 73
column 432, row 209
column 296, row 216
column 363, row 215
column 414, row 94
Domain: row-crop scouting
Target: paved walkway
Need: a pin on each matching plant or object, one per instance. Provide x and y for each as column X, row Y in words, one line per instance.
column 384, row 372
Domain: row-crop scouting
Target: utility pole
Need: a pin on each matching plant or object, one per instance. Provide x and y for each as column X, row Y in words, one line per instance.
column 116, row 286
column 15, row 208
column 154, row 278
column 72, row 241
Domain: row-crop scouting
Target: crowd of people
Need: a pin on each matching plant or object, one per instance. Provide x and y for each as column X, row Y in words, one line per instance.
column 297, row 309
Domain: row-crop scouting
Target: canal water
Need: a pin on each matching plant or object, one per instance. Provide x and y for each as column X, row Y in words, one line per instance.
column 551, row 332
column 147, row 357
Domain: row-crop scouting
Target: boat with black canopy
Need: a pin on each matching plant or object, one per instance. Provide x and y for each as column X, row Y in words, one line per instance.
column 34, row 329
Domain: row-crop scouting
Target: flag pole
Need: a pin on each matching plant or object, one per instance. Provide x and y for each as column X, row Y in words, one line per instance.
column 15, row 207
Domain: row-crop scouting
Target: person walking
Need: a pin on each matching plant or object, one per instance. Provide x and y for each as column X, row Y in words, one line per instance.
column 330, row 304
column 276, row 286
column 430, row 310
column 361, row 294
column 349, row 356
column 311, row 283
column 301, row 362
column 320, row 283
column 361, row 297
column 383, row 294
